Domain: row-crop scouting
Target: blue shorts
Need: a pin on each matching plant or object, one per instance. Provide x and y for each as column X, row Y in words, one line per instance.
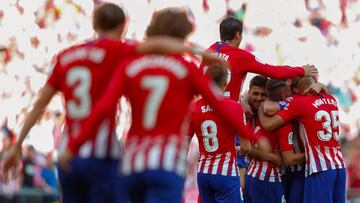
column 294, row 186
column 218, row 188
column 241, row 162
column 325, row 186
column 89, row 181
column 258, row 191
column 150, row 186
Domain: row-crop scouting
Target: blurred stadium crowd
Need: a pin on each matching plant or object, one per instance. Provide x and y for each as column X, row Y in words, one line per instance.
column 32, row 32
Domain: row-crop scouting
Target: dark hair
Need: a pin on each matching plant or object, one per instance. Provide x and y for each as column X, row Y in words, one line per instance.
column 258, row 80
column 170, row 21
column 218, row 73
column 229, row 27
column 108, row 16
column 274, row 89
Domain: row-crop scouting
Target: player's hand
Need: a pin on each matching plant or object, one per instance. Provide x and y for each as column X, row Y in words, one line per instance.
column 208, row 58
column 247, row 110
column 64, row 160
column 316, row 88
column 10, row 162
column 310, row 70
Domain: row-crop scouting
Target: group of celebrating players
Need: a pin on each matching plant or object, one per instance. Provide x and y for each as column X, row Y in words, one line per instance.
column 289, row 120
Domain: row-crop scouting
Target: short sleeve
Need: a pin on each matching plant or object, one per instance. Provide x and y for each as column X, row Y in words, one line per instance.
column 286, row 134
column 55, row 78
column 292, row 110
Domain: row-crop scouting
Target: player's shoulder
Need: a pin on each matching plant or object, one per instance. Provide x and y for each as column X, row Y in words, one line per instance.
column 243, row 53
column 231, row 102
column 328, row 96
column 71, row 48
column 197, row 103
column 199, row 107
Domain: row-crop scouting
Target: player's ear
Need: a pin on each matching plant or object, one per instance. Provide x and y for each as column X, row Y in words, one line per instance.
column 238, row 36
column 122, row 30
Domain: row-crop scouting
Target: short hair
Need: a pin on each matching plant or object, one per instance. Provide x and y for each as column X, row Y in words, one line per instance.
column 229, row 27
column 218, row 73
column 258, row 80
column 108, row 16
column 274, row 89
column 171, row 22
column 303, row 83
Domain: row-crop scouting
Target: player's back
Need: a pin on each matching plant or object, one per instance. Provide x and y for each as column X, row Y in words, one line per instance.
column 216, row 140
column 236, row 75
column 160, row 89
column 319, row 130
column 82, row 73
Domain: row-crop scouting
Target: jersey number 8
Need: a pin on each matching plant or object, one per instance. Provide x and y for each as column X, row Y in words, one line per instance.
column 209, row 132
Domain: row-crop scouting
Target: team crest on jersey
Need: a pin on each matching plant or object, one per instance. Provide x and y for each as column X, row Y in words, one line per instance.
column 290, row 138
column 286, row 102
column 257, row 129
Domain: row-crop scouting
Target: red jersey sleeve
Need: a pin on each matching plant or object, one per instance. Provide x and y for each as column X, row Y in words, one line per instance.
column 229, row 113
column 55, row 78
column 286, row 133
column 292, row 110
column 107, row 103
column 249, row 63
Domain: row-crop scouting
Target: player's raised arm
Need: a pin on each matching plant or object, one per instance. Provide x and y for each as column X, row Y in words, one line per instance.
column 251, row 64
column 230, row 114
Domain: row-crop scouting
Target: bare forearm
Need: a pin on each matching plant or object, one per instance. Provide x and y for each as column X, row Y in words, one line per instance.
column 265, row 156
column 270, row 108
column 275, row 159
column 290, row 158
column 47, row 93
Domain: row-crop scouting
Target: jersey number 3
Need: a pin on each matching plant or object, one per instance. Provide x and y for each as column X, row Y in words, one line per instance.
column 331, row 122
column 79, row 107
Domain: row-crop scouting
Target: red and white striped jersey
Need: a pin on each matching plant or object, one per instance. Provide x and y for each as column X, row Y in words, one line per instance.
column 216, row 140
column 81, row 73
column 265, row 170
column 154, row 152
column 319, row 130
column 160, row 89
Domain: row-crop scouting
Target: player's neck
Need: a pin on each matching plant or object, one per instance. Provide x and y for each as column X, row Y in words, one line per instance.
column 233, row 43
column 109, row 35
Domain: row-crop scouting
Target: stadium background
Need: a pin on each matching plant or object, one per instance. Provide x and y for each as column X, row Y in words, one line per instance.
column 293, row 32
